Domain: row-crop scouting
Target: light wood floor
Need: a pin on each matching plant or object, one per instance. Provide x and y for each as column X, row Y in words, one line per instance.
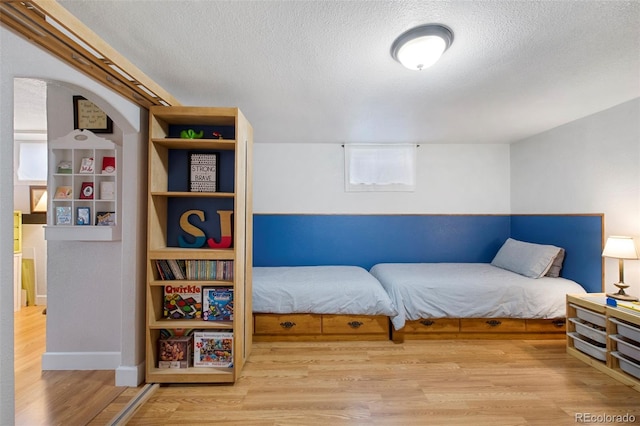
column 58, row 397
column 356, row 383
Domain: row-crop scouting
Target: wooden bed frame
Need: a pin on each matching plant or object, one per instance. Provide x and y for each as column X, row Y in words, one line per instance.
column 349, row 240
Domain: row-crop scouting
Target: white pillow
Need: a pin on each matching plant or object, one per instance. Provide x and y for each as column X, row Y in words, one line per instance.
column 528, row 259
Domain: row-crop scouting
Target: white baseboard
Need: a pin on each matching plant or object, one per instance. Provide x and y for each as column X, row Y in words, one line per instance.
column 80, row 360
column 41, row 300
column 130, row 376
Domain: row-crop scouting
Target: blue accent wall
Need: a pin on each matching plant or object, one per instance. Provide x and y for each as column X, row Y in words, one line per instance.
column 364, row 240
column 580, row 235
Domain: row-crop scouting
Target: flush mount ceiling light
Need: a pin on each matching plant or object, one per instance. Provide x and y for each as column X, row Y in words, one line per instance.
column 421, row 47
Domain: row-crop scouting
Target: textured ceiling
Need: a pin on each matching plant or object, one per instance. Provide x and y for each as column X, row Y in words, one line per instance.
column 320, row 71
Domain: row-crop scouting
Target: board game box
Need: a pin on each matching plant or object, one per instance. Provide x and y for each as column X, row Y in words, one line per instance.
column 217, row 304
column 175, row 352
column 212, row 349
column 183, row 301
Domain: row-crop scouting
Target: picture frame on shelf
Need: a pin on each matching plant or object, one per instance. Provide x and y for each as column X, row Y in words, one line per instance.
column 83, row 216
column 38, row 198
column 86, row 192
column 203, row 171
column 63, row 215
column 106, row 219
column 88, row 116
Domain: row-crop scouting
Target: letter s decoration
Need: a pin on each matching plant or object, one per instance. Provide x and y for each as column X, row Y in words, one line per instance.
column 225, row 231
column 198, row 234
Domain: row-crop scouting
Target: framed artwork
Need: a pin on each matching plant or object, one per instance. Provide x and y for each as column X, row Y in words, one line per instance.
column 38, row 199
column 88, row 116
column 83, row 216
column 203, row 172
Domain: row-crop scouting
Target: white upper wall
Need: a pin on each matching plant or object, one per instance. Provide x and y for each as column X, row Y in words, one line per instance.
column 591, row 165
column 451, row 179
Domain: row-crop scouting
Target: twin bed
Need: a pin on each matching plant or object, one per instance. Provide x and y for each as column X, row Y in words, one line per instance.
column 520, row 293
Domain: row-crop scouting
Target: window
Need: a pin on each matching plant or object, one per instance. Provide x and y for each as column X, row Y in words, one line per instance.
column 384, row 167
column 32, row 160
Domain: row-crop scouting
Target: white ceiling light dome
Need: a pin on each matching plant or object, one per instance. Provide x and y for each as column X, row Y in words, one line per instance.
column 421, row 47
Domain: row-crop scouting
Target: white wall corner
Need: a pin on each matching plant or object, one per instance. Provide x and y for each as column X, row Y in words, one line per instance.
column 130, row 376
column 80, row 360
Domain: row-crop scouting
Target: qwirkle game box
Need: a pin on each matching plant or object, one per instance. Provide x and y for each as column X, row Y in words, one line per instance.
column 183, row 301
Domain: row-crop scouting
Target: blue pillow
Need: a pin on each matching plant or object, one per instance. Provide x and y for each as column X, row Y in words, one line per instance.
column 528, row 259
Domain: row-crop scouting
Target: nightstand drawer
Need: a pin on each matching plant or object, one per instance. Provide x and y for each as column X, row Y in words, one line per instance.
column 493, row 325
column 354, row 324
column 287, row 324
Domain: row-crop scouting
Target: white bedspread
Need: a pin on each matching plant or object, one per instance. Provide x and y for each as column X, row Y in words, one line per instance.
column 470, row 290
column 319, row 290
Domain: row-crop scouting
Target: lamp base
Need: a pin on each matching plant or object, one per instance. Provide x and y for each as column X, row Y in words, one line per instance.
column 619, row 296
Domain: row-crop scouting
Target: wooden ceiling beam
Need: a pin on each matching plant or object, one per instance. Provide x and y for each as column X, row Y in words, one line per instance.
column 49, row 25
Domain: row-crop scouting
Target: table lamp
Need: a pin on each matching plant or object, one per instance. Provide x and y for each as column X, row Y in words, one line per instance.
column 620, row 248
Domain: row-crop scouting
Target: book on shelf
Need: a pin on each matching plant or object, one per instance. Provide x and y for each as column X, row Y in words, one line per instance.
column 182, row 301
column 83, row 216
column 86, row 166
column 217, row 303
column 63, row 192
column 196, row 270
column 108, row 165
column 212, row 349
column 63, row 215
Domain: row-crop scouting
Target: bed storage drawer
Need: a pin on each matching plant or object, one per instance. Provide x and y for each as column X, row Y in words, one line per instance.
column 493, row 325
column 557, row 325
column 433, row 325
column 354, row 324
column 287, row 324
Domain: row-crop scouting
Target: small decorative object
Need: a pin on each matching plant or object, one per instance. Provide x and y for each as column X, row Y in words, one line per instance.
column 217, row 135
column 86, row 166
column 203, row 169
column 88, row 116
column 38, row 199
column 63, row 215
column 225, row 231
column 106, row 218
column 64, row 168
column 191, row 134
column 63, row 193
column 108, row 165
column 107, row 190
column 83, row 216
column 86, row 192
column 198, row 235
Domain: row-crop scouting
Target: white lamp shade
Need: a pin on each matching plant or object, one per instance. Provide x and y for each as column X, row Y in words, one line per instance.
column 620, row 248
column 422, row 52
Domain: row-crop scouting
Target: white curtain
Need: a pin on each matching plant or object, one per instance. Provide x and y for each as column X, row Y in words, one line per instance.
column 380, row 167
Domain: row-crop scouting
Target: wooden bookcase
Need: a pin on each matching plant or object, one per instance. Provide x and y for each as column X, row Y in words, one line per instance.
column 169, row 200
